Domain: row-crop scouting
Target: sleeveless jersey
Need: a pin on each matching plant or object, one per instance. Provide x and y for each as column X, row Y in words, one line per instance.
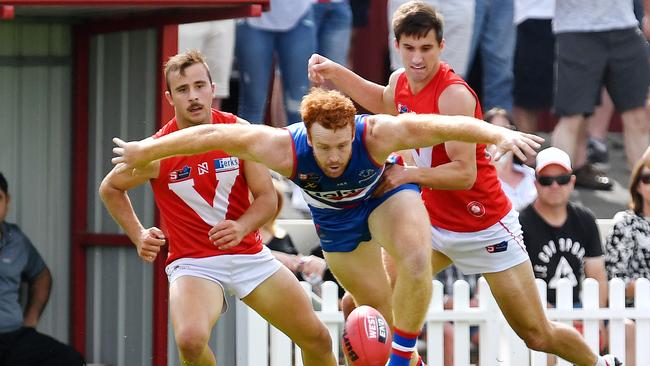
column 457, row 210
column 196, row 192
column 355, row 185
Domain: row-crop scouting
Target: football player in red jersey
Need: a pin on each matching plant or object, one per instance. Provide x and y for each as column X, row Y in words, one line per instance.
column 473, row 223
column 212, row 230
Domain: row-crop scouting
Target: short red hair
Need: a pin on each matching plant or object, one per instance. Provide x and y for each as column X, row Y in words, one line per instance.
column 329, row 108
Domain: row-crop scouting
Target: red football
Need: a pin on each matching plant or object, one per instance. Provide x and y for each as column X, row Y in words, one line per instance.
column 367, row 339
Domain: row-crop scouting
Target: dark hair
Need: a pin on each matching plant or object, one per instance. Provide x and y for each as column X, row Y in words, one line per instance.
column 500, row 112
column 636, row 202
column 3, row 184
column 416, row 18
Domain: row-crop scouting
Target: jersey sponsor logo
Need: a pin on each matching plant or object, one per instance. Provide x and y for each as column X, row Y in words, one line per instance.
column 226, row 164
column 203, row 168
column 476, row 208
column 310, row 177
column 310, row 185
column 367, row 173
column 499, row 247
column 337, row 195
column 402, row 108
column 180, row 174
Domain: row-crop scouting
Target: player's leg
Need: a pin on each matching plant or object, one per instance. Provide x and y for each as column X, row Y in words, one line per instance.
column 402, row 227
column 512, row 290
column 195, row 305
column 282, row 302
column 362, row 275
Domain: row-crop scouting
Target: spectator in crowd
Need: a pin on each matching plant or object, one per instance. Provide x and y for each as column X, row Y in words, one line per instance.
column 459, row 27
column 494, row 39
column 562, row 238
column 533, row 61
column 628, row 243
column 333, row 19
column 20, row 343
column 215, row 40
column 517, row 179
column 288, row 32
column 599, row 43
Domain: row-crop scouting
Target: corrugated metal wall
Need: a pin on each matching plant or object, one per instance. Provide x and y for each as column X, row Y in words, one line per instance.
column 122, row 103
column 35, row 139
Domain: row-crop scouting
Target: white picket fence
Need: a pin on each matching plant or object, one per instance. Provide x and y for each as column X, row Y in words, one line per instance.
column 262, row 345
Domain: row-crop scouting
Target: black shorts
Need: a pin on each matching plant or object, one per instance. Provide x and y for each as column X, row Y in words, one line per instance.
column 27, row 347
column 586, row 61
column 533, row 64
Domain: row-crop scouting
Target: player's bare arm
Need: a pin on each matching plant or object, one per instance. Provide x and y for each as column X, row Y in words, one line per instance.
column 406, row 131
column 263, row 144
column 229, row 233
column 368, row 94
column 113, row 192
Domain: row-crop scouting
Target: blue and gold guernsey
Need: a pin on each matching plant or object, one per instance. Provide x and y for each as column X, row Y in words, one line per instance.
column 339, row 206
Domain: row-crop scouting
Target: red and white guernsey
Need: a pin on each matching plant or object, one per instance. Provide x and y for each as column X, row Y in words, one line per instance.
column 196, row 192
column 471, row 210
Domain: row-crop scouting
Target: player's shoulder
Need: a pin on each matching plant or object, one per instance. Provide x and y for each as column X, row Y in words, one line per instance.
column 394, row 77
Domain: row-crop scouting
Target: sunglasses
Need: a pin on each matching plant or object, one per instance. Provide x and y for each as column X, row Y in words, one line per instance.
column 560, row 179
column 645, row 179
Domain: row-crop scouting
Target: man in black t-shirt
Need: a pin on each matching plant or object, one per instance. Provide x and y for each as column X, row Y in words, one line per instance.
column 561, row 237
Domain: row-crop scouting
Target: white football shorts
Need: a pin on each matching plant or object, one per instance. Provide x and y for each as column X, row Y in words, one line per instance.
column 237, row 274
column 495, row 249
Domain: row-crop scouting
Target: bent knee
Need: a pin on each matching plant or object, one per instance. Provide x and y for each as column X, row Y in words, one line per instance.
column 537, row 337
column 317, row 342
column 416, row 265
column 191, row 341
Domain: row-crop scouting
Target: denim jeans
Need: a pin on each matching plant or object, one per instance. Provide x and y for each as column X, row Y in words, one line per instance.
column 333, row 29
column 494, row 36
column 254, row 51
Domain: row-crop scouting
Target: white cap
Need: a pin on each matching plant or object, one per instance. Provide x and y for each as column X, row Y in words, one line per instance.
column 553, row 155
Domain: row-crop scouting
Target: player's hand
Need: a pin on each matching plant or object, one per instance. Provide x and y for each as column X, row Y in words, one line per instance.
column 645, row 25
column 320, row 69
column 312, row 267
column 291, row 261
column 149, row 243
column 520, row 143
column 226, row 234
column 394, row 175
column 130, row 155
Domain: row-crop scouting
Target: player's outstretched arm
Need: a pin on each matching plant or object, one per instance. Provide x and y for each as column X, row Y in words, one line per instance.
column 407, row 131
column 368, row 94
column 266, row 145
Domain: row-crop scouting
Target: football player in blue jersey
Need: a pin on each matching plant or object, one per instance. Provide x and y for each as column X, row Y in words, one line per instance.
column 337, row 158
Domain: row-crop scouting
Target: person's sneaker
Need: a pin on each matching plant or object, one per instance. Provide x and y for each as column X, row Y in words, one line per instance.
column 612, row 360
column 597, row 151
column 590, row 177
